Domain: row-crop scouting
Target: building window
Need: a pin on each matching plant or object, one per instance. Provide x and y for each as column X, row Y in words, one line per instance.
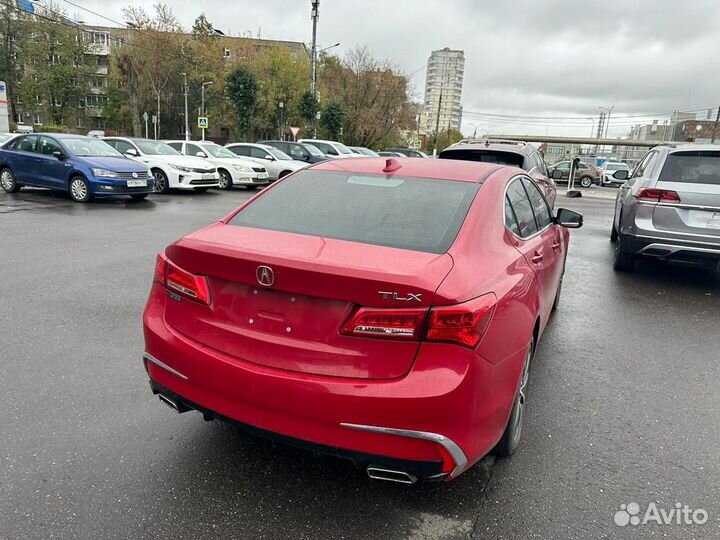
column 226, row 53
column 38, row 100
column 18, row 118
column 79, row 123
column 37, row 121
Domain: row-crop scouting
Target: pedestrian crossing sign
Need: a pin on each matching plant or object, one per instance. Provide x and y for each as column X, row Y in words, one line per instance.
column 202, row 122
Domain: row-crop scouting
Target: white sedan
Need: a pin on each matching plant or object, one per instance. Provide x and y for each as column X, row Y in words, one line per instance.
column 169, row 167
column 277, row 162
column 233, row 170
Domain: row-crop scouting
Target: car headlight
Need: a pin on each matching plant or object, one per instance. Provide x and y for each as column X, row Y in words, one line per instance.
column 183, row 169
column 242, row 168
column 104, row 173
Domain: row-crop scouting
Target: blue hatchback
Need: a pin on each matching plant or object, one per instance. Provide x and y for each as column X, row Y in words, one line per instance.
column 83, row 166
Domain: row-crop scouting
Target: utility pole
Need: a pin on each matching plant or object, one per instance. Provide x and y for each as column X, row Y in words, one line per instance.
column 715, row 127
column 202, row 103
column 157, row 118
column 187, row 120
column 601, row 124
column 437, row 122
column 314, row 15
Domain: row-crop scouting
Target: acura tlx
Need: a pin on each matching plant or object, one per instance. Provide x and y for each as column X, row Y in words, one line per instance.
column 382, row 310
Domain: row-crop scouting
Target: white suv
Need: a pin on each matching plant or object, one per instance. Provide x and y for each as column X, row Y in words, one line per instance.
column 332, row 149
column 170, row 169
column 277, row 162
column 233, row 170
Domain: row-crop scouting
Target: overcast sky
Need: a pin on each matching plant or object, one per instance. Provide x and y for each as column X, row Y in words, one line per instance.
column 549, row 58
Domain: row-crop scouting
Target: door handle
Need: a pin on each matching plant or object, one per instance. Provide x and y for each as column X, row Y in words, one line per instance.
column 537, row 258
column 556, row 245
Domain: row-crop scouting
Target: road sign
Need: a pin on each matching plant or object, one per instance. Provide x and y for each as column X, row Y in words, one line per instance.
column 202, row 122
column 294, row 131
column 145, row 116
column 154, row 119
column 4, row 113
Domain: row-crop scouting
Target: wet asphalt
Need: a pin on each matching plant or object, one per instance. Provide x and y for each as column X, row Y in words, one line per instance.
column 623, row 405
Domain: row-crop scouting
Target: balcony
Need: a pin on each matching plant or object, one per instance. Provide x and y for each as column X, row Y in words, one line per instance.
column 99, row 49
column 94, row 112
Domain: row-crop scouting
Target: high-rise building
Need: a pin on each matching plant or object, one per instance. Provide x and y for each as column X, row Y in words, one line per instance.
column 443, row 90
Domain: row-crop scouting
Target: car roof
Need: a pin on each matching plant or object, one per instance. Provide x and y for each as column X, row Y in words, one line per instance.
column 319, row 140
column 466, row 171
column 502, row 145
column 688, row 147
column 61, row 135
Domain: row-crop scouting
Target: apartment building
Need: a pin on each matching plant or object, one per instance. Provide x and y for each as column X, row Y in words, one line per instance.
column 442, row 108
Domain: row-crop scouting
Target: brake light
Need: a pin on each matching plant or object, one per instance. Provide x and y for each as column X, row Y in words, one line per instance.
column 181, row 281
column 658, row 195
column 403, row 324
column 464, row 324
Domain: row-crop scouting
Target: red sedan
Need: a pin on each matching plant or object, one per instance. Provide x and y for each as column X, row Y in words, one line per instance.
column 382, row 310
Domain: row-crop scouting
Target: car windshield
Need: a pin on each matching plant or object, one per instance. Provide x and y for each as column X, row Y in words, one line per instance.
column 485, row 156
column 156, row 148
column 366, row 151
column 342, row 148
column 616, row 167
column 697, row 167
column 277, row 154
column 402, row 212
column 218, row 151
column 86, row 147
column 313, row 150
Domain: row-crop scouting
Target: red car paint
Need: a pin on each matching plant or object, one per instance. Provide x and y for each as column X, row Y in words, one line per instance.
column 279, row 358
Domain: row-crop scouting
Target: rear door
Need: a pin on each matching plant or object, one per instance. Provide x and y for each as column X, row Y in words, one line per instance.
column 23, row 159
column 695, row 177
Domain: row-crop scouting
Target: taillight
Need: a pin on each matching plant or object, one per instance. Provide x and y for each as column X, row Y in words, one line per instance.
column 464, row 324
column 386, row 323
column 181, row 281
column 658, row 195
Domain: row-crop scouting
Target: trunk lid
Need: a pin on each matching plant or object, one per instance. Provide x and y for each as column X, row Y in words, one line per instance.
column 317, row 283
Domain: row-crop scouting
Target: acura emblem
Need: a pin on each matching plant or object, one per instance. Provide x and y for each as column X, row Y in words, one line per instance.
column 134, row 175
column 265, row 276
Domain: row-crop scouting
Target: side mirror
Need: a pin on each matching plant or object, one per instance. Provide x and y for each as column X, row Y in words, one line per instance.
column 59, row 155
column 131, row 152
column 556, row 174
column 201, row 154
column 569, row 219
column 621, row 175
column 268, row 157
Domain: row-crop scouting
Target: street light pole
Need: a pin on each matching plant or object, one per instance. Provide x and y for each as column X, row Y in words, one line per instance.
column 281, row 106
column 314, row 15
column 187, row 120
column 202, row 103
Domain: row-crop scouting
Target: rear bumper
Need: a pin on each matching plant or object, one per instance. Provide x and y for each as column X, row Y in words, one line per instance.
column 671, row 249
column 443, row 416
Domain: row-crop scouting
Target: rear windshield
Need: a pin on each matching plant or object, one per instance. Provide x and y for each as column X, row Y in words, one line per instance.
column 486, row 156
column 697, row 167
column 616, row 167
column 401, row 212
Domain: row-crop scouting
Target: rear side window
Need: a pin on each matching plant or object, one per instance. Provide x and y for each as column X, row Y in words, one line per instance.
column 401, row 212
column 240, row 150
column 697, row 167
column 540, row 207
column 485, row 156
column 523, row 209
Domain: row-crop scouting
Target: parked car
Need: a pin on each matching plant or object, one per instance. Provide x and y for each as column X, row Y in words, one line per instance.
column 669, row 208
column 83, row 166
column 169, row 167
column 277, row 162
column 232, row 169
column 331, row 149
column 503, row 152
column 298, row 151
column 352, row 310
column 607, row 171
column 362, row 151
column 4, row 137
column 585, row 175
column 408, row 152
column 385, row 153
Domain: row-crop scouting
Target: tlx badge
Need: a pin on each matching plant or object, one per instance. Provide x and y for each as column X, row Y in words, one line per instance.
column 410, row 297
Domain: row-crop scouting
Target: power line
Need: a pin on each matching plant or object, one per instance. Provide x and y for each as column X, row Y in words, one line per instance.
column 510, row 116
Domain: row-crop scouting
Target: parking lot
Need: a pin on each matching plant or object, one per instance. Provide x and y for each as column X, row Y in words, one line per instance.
column 622, row 408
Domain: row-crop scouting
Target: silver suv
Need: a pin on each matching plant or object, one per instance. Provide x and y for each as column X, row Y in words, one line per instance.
column 504, row 152
column 669, row 208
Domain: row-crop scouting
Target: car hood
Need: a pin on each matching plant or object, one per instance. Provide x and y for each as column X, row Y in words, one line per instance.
column 229, row 162
column 117, row 164
column 184, row 161
column 294, row 164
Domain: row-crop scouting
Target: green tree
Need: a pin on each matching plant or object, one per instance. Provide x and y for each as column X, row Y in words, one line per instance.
column 332, row 120
column 13, row 30
column 242, row 88
column 445, row 139
column 308, row 106
column 202, row 28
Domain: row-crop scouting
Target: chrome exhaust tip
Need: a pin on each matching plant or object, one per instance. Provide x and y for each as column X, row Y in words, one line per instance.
column 389, row 475
column 174, row 405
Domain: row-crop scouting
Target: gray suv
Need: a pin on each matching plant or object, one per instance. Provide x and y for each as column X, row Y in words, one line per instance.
column 503, row 152
column 669, row 208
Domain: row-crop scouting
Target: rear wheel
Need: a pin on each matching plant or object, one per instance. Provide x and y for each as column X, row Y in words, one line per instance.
column 586, row 181
column 623, row 261
column 511, row 437
column 225, row 179
column 8, row 182
column 161, row 183
column 79, row 190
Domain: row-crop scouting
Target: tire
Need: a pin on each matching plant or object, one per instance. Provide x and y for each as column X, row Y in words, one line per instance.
column 283, row 174
column 8, row 181
column 613, row 232
column 623, row 261
column 79, row 190
column 556, row 302
column 161, row 183
column 139, row 196
column 511, row 436
column 201, row 189
column 225, row 179
column 586, row 181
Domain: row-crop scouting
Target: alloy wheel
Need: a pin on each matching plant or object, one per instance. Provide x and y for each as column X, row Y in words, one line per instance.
column 6, row 180
column 520, row 400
